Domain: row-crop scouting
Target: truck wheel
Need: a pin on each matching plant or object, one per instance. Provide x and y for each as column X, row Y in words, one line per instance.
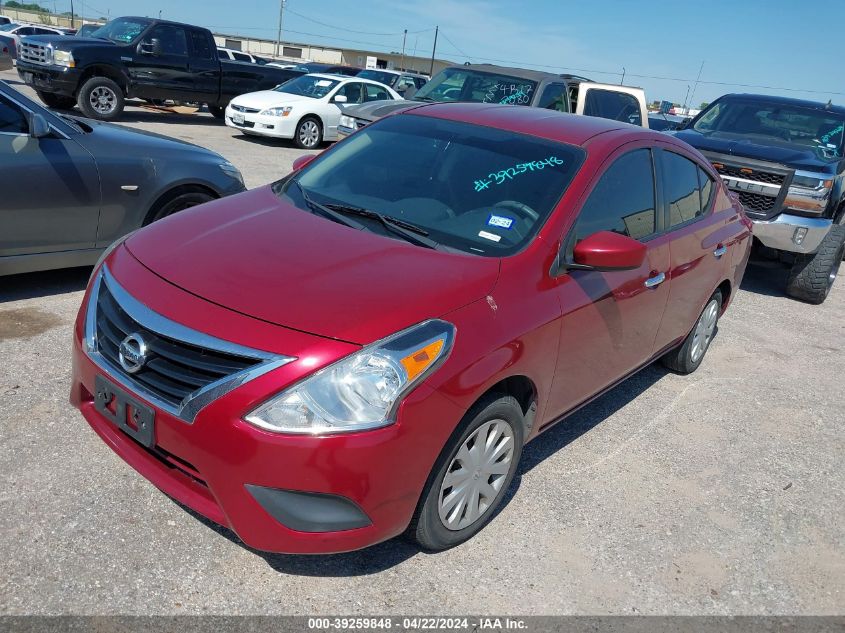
column 309, row 133
column 812, row 276
column 58, row 102
column 471, row 476
column 687, row 358
column 101, row 98
column 216, row 111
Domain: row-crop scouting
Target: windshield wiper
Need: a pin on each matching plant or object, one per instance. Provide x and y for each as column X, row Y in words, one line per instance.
column 411, row 232
column 329, row 213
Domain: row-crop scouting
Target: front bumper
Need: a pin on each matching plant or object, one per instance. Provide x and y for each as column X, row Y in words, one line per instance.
column 53, row 79
column 254, row 123
column 792, row 233
column 279, row 493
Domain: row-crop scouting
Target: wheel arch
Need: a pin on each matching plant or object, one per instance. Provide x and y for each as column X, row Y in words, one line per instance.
column 177, row 190
column 104, row 70
column 521, row 388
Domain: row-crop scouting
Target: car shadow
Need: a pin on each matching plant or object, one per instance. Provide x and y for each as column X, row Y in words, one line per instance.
column 383, row 556
column 765, row 277
column 43, row 284
column 267, row 141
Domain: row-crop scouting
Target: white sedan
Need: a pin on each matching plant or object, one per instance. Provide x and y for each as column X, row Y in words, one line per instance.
column 304, row 109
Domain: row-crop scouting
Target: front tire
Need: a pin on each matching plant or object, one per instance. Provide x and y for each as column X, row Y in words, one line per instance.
column 471, row 476
column 176, row 203
column 687, row 358
column 55, row 101
column 309, row 133
column 812, row 276
column 101, row 98
column 216, row 111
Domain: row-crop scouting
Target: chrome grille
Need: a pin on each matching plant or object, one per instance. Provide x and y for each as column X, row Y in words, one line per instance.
column 34, row 53
column 180, row 370
column 238, row 108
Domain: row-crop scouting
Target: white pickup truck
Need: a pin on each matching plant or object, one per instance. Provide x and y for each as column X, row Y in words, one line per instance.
column 486, row 83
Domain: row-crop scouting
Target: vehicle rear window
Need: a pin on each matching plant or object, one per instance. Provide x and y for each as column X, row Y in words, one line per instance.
column 617, row 106
column 476, row 189
column 458, row 84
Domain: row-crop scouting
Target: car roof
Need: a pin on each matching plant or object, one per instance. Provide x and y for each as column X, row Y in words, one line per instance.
column 521, row 73
column 548, row 124
column 344, row 78
column 785, row 101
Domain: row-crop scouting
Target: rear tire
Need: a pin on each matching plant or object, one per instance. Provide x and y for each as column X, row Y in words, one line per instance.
column 812, row 276
column 58, row 102
column 176, row 203
column 101, row 98
column 481, row 459
column 689, row 356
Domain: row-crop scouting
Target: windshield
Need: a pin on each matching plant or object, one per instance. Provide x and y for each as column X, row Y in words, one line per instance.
column 308, row 86
column 9, row 26
column 458, row 84
column 776, row 124
column 475, row 189
column 121, row 30
column 388, row 79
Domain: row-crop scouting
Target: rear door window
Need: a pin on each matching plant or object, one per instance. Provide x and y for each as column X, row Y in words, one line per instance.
column 200, row 44
column 608, row 104
column 682, row 187
column 554, row 98
column 376, row 93
column 623, row 200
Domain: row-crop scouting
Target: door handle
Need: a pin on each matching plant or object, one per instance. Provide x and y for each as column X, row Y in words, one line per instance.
column 721, row 250
column 653, row 282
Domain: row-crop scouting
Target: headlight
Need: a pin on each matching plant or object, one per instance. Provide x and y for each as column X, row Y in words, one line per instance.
column 63, row 58
column 809, row 193
column 230, row 170
column 276, row 111
column 347, row 121
column 363, row 390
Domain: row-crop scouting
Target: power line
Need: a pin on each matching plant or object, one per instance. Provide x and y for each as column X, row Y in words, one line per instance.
column 455, row 46
column 348, row 30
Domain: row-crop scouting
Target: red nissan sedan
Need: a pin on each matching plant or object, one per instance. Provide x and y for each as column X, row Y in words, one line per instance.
column 363, row 348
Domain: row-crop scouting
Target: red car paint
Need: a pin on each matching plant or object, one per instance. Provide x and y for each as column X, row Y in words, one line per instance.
column 253, row 270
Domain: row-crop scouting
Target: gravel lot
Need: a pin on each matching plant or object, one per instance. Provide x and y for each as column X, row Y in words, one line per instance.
column 717, row 493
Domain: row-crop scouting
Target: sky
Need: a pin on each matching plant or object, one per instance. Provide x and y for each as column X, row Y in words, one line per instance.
column 783, row 47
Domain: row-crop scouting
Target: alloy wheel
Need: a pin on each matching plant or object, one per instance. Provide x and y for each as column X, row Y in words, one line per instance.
column 103, row 100
column 704, row 330
column 309, row 133
column 476, row 475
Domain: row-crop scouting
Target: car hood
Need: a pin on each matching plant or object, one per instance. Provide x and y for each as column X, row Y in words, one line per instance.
column 377, row 109
column 260, row 256
column 793, row 156
column 271, row 99
column 69, row 42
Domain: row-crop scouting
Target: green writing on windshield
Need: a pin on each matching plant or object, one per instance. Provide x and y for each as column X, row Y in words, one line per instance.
column 510, row 173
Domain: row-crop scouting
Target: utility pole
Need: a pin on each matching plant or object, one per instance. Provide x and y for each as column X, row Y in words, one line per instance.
column 622, row 81
column 404, row 37
column 695, row 86
column 433, row 50
column 72, row 20
column 684, row 107
column 281, row 19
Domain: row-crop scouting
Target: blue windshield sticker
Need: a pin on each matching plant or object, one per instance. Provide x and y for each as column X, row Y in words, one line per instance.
column 500, row 221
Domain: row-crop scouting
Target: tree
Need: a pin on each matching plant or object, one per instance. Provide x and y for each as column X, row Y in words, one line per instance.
column 12, row 4
column 703, row 105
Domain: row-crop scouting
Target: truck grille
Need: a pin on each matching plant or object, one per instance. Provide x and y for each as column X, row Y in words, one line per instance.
column 749, row 174
column 34, row 53
column 755, row 202
column 173, row 369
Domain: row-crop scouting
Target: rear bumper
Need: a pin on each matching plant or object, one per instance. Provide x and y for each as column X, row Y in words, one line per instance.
column 792, row 233
column 53, row 79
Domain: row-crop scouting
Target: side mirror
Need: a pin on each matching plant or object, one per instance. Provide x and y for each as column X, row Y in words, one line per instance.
column 607, row 251
column 38, row 126
column 302, row 161
column 153, row 47
column 340, row 99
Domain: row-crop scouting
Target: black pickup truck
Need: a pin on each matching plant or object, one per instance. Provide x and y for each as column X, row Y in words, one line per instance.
column 785, row 159
column 138, row 57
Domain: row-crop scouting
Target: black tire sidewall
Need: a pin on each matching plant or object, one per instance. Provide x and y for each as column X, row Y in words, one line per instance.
column 82, row 99
column 175, row 205
column 429, row 531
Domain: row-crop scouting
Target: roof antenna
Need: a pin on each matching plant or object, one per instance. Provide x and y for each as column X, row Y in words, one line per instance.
column 829, row 104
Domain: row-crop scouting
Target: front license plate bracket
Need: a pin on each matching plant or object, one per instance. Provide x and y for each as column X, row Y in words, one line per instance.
column 129, row 415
